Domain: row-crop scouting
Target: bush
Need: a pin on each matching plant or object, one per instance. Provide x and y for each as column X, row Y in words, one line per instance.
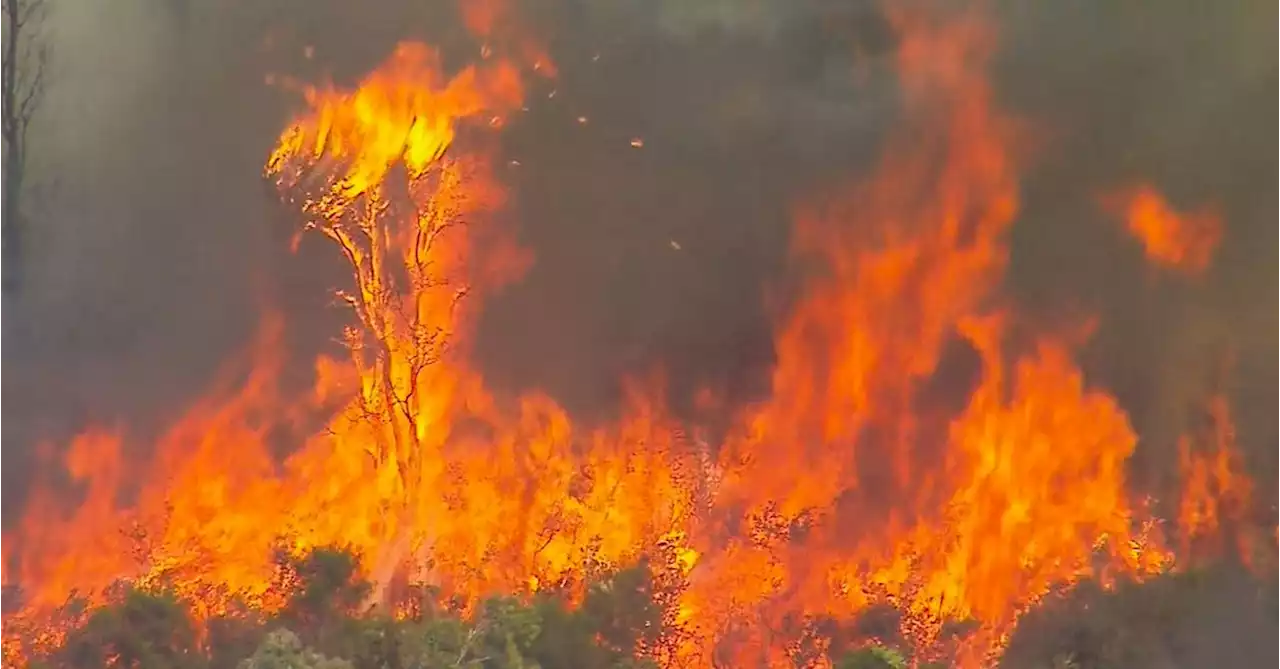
column 321, row 626
column 873, row 657
column 283, row 649
column 144, row 630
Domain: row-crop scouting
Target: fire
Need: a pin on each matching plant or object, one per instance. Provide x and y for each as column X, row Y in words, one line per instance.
column 1215, row 489
column 495, row 21
column 494, row 498
column 1182, row 241
column 851, row 485
column 420, row 456
column 163, row 535
column 402, row 115
column 910, row 262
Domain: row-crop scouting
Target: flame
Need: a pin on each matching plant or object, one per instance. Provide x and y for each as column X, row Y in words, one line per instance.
column 421, row 467
column 1215, row 489
column 497, row 21
column 909, row 264
column 1180, row 241
column 850, row 485
column 162, row 535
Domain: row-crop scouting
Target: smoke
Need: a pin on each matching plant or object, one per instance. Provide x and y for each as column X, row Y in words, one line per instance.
column 1181, row 97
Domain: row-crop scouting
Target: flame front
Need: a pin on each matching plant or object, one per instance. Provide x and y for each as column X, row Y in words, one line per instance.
column 850, row 485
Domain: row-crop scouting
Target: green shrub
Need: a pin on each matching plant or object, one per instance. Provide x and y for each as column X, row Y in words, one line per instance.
column 283, row 649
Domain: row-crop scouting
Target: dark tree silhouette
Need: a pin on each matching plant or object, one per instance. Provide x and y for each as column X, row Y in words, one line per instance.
column 22, row 89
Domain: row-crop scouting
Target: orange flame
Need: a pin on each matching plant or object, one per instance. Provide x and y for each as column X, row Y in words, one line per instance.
column 910, row 262
column 1215, row 489
column 496, row 20
column 1177, row 240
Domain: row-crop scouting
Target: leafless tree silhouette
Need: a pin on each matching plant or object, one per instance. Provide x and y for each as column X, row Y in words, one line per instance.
column 22, row 88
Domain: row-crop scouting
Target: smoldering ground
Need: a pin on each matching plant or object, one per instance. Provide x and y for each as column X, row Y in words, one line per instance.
column 155, row 243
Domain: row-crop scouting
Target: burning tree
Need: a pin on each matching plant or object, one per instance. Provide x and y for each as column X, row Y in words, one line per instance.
column 369, row 170
column 22, row 88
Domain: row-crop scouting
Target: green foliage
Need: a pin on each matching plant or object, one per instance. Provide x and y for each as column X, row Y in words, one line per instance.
column 232, row 637
column 283, row 649
column 624, row 612
column 383, row 643
column 372, row 642
column 321, row 627
column 508, row 629
column 325, row 583
column 873, row 657
column 1155, row 623
column 144, row 630
column 618, row 619
column 505, row 634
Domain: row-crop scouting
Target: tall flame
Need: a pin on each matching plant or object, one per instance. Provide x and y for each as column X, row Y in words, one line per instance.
column 971, row 522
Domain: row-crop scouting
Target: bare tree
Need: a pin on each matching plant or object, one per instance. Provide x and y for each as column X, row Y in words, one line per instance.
column 22, row 89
